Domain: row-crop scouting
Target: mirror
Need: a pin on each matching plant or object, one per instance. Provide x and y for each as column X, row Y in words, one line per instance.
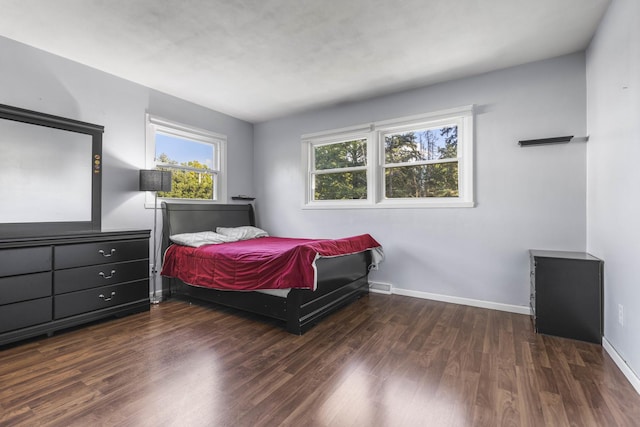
column 50, row 174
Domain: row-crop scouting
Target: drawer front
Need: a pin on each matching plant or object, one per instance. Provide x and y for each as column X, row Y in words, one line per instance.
column 25, row 260
column 24, row 314
column 76, row 279
column 95, row 299
column 68, row 256
column 25, row 287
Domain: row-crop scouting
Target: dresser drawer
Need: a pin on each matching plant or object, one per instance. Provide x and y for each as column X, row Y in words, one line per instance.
column 24, row 314
column 94, row 299
column 80, row 255
column 25, row 260
column 25, row 287
column 76, row 279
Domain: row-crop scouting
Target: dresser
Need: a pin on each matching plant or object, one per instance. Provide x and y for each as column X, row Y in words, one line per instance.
column 56, row 282
column 567, row 294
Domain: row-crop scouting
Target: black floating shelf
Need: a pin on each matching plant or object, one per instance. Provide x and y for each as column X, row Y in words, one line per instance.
column 242, row 198
column 543, row 141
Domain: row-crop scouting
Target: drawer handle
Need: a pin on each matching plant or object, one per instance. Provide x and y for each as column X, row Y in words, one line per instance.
column 109, row 298
column 107, row 277
column 107, row 255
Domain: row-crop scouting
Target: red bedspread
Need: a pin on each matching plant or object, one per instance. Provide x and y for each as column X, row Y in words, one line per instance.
column 264, row 263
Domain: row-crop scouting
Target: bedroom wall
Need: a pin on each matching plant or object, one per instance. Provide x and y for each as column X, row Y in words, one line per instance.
column 36, row 80
column 613, row 207
column 526, row 197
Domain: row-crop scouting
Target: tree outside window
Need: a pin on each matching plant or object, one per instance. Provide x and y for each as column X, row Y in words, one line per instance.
column 340, row 170
column 195, row 158
column 419, row 161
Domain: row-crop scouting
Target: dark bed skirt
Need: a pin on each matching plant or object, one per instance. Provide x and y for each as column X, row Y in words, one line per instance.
column 341, row 280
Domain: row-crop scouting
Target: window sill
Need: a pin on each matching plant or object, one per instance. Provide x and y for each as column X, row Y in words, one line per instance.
column 391, row 205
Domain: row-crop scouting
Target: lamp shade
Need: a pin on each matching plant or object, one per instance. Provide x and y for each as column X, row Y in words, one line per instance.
column 155, row 180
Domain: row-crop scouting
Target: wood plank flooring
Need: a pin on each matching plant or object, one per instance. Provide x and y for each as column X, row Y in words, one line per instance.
column 381, row 361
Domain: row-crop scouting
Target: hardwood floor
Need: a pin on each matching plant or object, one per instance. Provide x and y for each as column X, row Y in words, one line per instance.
column 381, row 361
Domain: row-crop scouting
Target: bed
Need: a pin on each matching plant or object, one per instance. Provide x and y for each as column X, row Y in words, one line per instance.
column 339, row 280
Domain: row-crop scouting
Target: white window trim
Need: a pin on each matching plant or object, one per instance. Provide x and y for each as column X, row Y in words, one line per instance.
column 156, row 123
column 308, row 159
column 461, row 116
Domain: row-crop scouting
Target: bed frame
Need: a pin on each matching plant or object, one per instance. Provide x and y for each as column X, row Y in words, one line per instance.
column 341, row 280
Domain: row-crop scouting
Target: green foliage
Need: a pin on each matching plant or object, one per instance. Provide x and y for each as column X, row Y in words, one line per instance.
column 341, row 155
column 450, row 149
column 187, row 184
column 431, row 180
column 403, row 180
column 341, row 185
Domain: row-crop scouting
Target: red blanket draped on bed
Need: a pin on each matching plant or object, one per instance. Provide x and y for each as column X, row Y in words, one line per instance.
column 264, row 263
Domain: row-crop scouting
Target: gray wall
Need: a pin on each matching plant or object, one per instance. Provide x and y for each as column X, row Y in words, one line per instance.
column 613, row 209
column 33, row 79
column 526, row 197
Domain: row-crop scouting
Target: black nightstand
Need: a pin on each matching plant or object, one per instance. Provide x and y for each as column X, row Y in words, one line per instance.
column 567, row 294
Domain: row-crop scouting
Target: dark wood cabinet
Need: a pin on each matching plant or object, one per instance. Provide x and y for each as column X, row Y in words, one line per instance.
column 567, row 294
column 56, row 282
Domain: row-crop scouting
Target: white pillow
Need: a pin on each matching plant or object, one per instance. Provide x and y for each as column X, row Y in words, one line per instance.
column 201, row 238
column 245, row 232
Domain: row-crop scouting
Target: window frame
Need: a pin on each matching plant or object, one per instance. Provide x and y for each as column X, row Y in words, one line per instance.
column 155, row 124
column 375, row 132
column 337, row 139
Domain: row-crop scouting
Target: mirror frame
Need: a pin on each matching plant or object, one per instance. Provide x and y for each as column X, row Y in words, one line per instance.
column 33, row 229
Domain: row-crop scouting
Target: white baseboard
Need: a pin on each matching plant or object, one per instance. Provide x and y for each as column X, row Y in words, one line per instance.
column 619, row 361
column 463, row 301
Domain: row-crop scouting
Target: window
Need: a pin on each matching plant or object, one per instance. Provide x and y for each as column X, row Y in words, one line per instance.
column 339, row 170
column 195, row 157
column 420, row 161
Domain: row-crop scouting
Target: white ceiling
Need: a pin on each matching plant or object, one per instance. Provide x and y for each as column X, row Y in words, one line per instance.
column 261, row 59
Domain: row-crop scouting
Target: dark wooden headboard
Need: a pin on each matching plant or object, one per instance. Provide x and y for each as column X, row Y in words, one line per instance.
column 193, row 217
